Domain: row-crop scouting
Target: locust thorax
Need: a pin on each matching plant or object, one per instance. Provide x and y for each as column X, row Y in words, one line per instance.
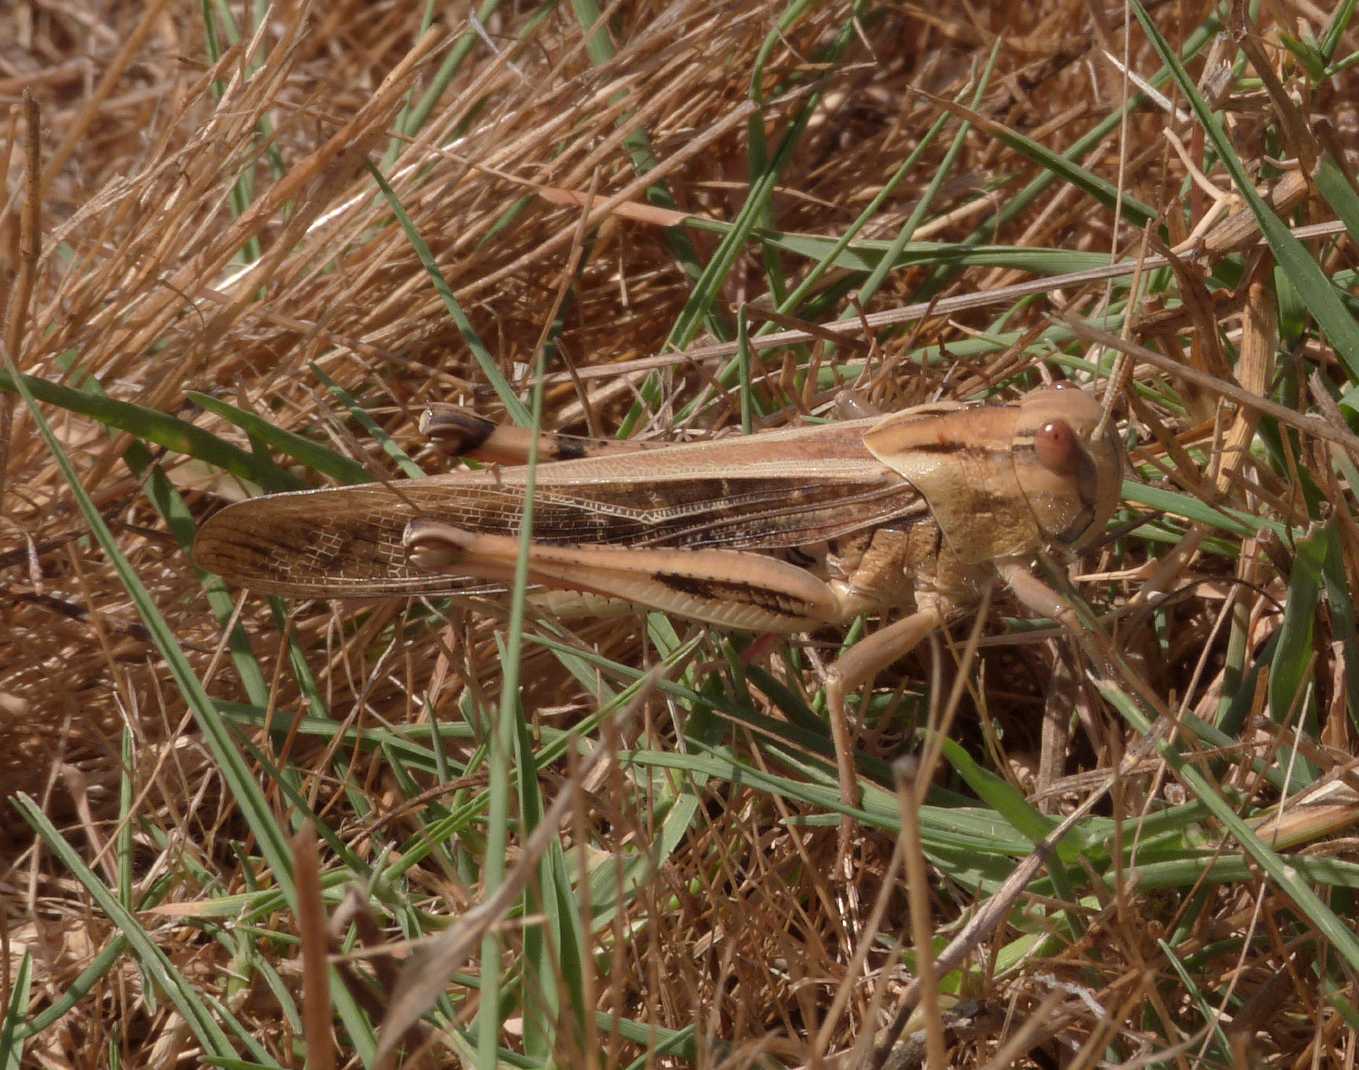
column 1069, row 470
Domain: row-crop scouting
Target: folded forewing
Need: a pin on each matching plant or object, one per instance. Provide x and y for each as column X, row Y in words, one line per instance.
column 768, row 492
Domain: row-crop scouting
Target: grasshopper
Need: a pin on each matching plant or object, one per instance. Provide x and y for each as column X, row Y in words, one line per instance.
column 785, row 531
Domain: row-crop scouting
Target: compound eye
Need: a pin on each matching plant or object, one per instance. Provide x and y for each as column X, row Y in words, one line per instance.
column 1056, row 446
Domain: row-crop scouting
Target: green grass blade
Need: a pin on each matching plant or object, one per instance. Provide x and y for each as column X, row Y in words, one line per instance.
column 389, row 445
column 1106, row 193
column 304, row 450
column 507, row 717
column 1283, row 873
column 228, row 758
column 152, row 959
column 1315, row 289
column 88, row 981
column 20, row 989
column 1291, row 688
column 158, row 427
column 236, row 774
column 489, row 368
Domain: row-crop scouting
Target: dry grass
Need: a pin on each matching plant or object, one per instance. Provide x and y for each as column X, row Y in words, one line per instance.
column 204, row 219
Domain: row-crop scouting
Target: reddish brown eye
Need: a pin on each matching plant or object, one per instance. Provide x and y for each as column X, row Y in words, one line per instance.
column 1056, row 446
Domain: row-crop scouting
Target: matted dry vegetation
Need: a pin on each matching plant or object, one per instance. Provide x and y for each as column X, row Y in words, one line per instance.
column 199, row 262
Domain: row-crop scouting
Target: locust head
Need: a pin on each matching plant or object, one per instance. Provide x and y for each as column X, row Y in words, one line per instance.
column 1067, row 463
column 1007, row 480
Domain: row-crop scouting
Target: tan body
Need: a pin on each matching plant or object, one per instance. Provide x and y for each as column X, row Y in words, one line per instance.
column 784, row 531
